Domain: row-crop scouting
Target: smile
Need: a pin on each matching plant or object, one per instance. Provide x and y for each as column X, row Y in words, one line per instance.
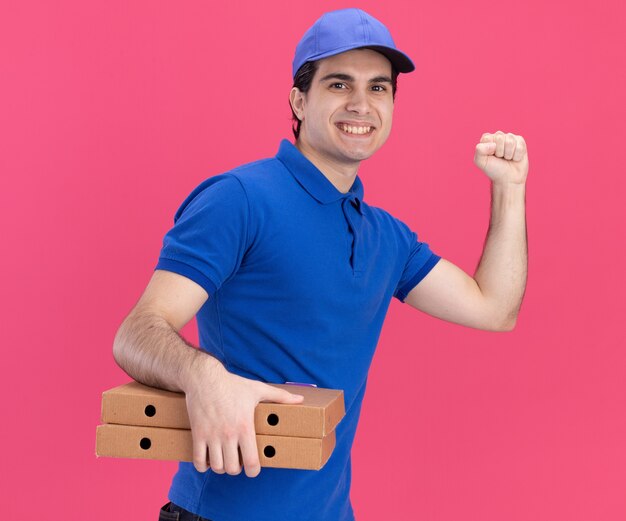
column 355, row 130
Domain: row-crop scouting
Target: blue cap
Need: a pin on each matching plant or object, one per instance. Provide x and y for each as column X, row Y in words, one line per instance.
column 340, row 31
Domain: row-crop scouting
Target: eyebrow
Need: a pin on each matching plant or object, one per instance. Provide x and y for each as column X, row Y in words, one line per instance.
column 346, row 77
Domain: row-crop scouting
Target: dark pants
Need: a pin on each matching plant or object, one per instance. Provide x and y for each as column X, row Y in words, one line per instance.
column 172, row 512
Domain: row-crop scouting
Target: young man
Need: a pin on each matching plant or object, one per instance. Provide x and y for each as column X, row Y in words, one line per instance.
column 291, row 272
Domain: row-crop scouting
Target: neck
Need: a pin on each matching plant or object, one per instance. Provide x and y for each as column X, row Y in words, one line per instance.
column 341, row 175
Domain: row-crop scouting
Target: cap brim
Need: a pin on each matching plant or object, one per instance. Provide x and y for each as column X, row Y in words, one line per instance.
column 400, row 61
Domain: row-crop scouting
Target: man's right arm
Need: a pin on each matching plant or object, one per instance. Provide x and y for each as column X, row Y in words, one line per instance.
column 147, row 345
column 220, row 404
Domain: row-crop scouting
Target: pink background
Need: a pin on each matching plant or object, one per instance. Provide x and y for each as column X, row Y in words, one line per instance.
column 111, row 112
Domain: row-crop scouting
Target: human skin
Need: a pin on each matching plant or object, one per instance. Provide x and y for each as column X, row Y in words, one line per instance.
column 358, row 94
column 221, row 405
column 489, row 300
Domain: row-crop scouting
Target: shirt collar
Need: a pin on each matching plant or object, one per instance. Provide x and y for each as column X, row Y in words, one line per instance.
column 312, row 180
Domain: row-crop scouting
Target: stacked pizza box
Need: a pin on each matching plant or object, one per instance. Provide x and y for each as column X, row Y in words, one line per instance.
column 144, row 422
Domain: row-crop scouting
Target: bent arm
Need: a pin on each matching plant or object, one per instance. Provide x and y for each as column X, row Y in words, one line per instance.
column 220, row 404
column 502, row 270
column 147, row 345
column 492, row 298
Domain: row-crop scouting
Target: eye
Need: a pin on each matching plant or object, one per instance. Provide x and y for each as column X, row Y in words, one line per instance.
column 379, row 88
column 341, row 85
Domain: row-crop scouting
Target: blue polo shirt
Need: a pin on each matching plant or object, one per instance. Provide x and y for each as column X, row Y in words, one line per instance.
column 299, row 277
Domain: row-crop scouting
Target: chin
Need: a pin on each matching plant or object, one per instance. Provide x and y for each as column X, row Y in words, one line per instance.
column 360, row 154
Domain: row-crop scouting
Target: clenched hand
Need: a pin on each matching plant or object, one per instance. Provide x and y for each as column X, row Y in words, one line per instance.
column 503, row 157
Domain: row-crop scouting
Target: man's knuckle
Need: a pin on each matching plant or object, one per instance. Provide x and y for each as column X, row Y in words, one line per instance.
column 233, row 471
column 199, row 464
column 244, row 427
column 229, row 434
column 251, row 460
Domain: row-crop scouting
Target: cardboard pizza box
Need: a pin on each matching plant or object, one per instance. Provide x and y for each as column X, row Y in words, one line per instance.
column 159, row 443
column 316, row 417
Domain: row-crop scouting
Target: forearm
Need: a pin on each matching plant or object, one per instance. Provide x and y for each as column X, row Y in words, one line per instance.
column 150, row 351
column 502, row 270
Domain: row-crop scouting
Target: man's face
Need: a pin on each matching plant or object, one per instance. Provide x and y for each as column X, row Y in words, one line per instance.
column 347, row 113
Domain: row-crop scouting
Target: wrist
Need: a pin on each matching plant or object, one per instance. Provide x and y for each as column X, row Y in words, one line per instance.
column 508, row 186
column 508, row 193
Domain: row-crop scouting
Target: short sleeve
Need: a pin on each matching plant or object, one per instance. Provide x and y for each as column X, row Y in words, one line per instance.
column 419, row 262
column 209, row 237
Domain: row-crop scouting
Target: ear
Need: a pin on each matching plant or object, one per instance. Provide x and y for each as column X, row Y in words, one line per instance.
column 297, row 99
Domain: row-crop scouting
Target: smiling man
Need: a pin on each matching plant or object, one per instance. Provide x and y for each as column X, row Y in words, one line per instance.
column 346, row 112
column 290, row 273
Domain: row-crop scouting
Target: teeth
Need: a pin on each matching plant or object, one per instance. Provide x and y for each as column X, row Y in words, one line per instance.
column 355, row 130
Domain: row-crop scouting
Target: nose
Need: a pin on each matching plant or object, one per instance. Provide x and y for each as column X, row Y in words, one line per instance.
column 358, row 102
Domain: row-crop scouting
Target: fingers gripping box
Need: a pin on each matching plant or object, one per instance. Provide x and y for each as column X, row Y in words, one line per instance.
column 145, row 422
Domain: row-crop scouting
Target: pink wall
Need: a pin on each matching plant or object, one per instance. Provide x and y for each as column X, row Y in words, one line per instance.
column 111, row 112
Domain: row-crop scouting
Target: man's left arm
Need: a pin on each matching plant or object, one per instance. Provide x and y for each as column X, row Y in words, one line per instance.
column 492, row 298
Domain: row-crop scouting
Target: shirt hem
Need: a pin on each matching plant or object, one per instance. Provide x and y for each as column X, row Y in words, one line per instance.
column 417, row 278
column 188, row 271
column 188, row 504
